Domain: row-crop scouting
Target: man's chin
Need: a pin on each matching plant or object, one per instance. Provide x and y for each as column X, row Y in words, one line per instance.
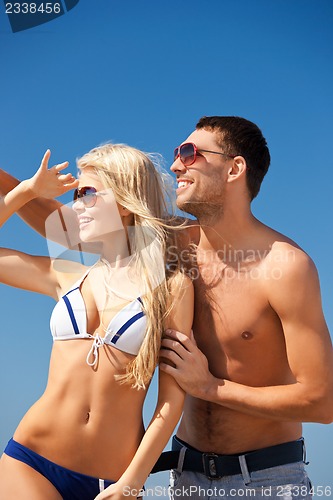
column 187, row 206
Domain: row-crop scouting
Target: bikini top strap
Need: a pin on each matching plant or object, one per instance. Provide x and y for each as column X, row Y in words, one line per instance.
column 78, row 283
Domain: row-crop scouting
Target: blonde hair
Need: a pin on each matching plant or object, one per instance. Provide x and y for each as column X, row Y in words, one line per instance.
column 138, row 186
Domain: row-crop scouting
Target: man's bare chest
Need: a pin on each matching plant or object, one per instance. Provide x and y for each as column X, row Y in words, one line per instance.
column 233, row 320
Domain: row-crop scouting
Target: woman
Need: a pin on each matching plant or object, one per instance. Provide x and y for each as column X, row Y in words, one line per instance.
column 85, row 434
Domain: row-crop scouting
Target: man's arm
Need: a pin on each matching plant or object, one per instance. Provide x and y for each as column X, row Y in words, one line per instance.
column 35, row 212
column 295, row 297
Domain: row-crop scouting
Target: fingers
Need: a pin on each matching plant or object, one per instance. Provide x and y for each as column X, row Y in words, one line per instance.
column 168, row 369
column 56, row 168
column 63, row 180
column 192, row 338
column 61, row 166
column 173, row 346
column 187, row 342
column 66, row 181
column 70, row 186
column 67, row 178
column 45, row 159
column 52, row 182
column 169, row 356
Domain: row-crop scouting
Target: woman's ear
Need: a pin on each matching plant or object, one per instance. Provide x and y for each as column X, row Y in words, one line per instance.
column 124, row 212
column 127, row 217
column 237, row 168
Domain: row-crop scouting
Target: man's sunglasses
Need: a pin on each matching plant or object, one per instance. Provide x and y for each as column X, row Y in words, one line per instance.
column 87, row 194
column 188, row 153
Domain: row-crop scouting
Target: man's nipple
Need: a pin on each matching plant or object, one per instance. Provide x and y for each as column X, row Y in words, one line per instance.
column 247, row 335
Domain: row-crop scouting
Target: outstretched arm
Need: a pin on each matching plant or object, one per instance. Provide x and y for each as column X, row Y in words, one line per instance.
column 19, row 269
column 167, row 413
column 35, row 211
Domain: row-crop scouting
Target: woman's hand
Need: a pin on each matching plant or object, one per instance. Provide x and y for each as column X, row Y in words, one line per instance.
column 117, row 491
column 50, row 182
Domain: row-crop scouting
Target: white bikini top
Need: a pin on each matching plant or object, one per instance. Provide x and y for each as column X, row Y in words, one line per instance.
column 125, row 331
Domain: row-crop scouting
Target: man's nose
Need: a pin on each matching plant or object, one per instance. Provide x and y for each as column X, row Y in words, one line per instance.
column 178, row 166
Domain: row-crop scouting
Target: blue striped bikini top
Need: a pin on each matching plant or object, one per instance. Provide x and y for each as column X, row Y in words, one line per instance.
column 125, row 331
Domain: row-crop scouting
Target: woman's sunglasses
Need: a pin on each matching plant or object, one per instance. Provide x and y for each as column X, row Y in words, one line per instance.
column 188, row 153
column 87, row 194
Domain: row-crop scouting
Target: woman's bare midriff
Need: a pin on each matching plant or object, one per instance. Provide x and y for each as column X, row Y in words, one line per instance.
column 85, row 421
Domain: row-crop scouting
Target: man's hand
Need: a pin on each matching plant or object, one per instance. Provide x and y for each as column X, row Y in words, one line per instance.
column 186, row 363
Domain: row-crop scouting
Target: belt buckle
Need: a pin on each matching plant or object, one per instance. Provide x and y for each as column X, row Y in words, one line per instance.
column 209, row 462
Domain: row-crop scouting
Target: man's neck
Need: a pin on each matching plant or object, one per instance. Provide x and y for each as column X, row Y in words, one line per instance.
column 232, row 229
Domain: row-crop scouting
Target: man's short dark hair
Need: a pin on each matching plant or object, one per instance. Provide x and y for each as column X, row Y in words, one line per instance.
column 238, row 136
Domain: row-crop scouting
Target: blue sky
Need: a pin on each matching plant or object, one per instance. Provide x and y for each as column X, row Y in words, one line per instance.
column 143, row 73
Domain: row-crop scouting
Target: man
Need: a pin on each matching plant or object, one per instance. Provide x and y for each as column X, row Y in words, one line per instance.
column 260, row 362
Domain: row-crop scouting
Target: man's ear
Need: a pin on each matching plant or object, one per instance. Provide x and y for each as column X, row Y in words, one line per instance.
column 237, row 168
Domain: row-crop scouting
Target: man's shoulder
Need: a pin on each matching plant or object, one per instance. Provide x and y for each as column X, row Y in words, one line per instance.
column 291, row 281
column 281, row 255
column 286, row 262
column 277, row 245
column 286, row 250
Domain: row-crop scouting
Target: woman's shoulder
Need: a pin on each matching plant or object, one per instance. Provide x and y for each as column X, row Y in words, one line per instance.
column 68, row 272
column 180, row 285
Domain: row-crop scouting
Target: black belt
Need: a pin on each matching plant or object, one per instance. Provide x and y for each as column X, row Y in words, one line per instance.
column 216, row 466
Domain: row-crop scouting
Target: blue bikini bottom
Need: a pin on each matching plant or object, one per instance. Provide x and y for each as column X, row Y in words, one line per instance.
column 71, row 485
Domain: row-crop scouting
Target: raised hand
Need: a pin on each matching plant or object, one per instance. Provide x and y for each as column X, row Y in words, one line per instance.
column 50, row 182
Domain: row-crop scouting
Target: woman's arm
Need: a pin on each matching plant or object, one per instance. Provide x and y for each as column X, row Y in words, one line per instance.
column 36, row 211
column 19, row 269
column 167, row 413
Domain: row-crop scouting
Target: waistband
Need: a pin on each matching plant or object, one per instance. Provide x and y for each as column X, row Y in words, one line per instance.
column 216, row 466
